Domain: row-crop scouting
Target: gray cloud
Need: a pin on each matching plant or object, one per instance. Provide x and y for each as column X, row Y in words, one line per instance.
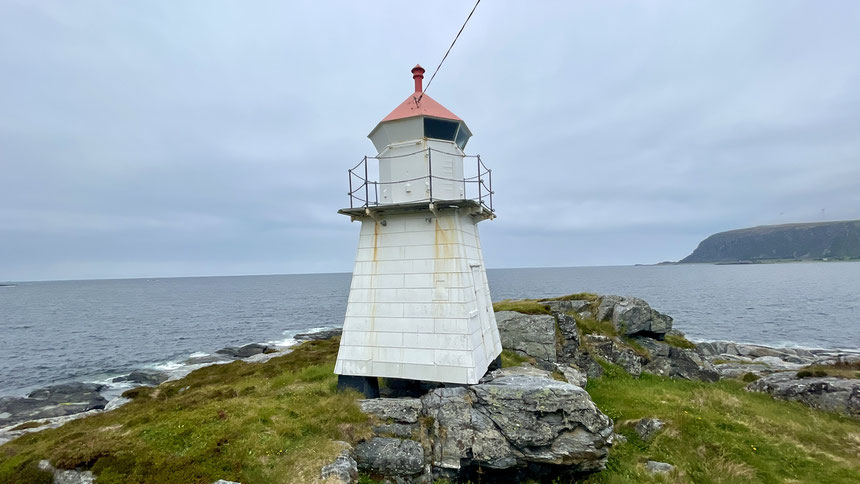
column 182, row 138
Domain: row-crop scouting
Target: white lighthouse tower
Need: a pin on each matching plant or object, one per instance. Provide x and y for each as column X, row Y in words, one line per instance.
column 419, row 305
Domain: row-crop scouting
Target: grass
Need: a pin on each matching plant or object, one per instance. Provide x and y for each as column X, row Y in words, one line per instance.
column 525, row 306
column 593, row 326
column 719, row 433
column 679, row 341
column 512, row 358
column 839, row 369
column 264, row 422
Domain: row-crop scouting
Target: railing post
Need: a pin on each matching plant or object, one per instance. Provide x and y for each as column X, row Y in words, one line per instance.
column 430, row 171
column 490, row 173
column 349, row 173
column 480, row 198
column 366, row 188
column 376, row 192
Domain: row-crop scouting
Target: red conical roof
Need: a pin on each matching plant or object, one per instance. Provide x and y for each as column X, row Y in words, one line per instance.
column 418, row 104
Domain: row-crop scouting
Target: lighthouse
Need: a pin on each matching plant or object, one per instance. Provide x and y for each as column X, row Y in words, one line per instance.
column 419, row 305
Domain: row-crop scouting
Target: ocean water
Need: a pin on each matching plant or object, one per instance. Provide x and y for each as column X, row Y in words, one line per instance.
column 92, row 330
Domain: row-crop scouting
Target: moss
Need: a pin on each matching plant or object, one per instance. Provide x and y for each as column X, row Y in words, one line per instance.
column 593, row 326
column 248, row 422
column 512, row 358
column 804, row 374
column 679, row 341
column 750, row 377
column 525, row 306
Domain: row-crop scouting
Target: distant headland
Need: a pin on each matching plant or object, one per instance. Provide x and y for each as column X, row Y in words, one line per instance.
column 781, row 243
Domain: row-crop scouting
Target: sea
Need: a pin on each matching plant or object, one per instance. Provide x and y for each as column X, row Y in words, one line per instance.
column 94, row 330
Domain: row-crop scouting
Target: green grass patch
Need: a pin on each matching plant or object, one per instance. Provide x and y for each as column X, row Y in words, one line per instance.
column 679, row 341
column 525, row 306
column 512, row 358
column 246, row 422
column 593, row 326
column 580, row 296
column 719, row 433
column 839, row 369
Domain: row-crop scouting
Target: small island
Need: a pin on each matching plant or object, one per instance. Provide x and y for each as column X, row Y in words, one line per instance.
column 822, row 241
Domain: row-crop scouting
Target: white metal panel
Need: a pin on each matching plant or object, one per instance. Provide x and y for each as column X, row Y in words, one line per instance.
column 416, row 301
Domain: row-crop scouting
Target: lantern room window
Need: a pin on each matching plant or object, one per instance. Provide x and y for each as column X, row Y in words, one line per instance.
column 440, row 129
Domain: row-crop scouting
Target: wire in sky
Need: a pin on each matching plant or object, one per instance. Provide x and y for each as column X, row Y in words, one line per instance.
column 449, row 51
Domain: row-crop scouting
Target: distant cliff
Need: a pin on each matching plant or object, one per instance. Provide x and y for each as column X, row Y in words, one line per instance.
column 809, row 241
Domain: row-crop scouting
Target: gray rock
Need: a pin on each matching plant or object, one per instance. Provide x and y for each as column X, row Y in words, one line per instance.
column 655, row 467
column 403, row 431
column 52, row 401
column 390, row 457
column 548, row 421
column 735, row 370
column 632, row 315
column 224, row 481
column 824, row 393
column 205, row 360
column 608, row 349
column 344, row 469
column 560, row 307
column 244, row 351
column 403, row 410
column 777, row 363
column 667, row 360
column 144, row 377
column 530, row 334
column 607, row 306
column 516, row 418
column 574, row 376
column 648, row 428
column 319, row 335
column 570, row 341
column 67, row 476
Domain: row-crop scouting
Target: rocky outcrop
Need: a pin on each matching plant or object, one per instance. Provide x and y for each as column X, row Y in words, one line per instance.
column 667, row 360
column 529, row 334
column 390, row 457
column 67, row 476
column 648, row 428
column 516, row 421
column 52, row 401
column 319, row 335
column 144, row 377
column 824, row 393
column 612, row 351
column 633, row 316
column 344, row 469
column 245, row 351
column 655, row 467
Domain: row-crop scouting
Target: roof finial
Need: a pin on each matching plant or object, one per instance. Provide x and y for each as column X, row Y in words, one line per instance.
column 418, row 75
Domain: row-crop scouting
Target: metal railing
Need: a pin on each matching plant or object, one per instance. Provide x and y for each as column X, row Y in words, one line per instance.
column 478, row 188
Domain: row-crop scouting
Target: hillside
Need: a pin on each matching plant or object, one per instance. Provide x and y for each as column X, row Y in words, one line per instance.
column 804, row 241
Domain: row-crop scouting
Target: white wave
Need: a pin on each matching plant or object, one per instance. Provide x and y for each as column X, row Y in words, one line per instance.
column 198, row 354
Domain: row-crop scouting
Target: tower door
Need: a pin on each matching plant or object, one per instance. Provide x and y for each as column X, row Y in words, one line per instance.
column 484, row 307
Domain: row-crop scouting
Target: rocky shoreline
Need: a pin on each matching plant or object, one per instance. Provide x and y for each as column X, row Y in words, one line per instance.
column 54, row 405
column 533, row 418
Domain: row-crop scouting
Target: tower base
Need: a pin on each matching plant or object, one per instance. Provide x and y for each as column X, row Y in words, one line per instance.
column 367, row 385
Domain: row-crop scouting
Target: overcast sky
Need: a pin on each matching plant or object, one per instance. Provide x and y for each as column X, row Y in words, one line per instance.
column 170, row 138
